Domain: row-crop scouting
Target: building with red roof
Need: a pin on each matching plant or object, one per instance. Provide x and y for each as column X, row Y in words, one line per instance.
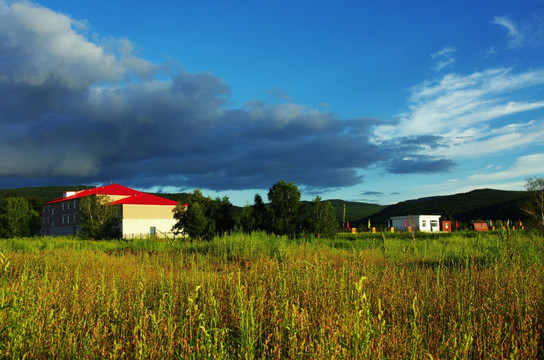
column 142, row 214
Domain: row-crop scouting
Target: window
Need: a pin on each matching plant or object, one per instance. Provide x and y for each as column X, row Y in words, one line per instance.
column 63, row 218
column 423, row 223
column 53, row 211
column 75, row 217
column 43, row 208
column 62, row 206
column 68, row 218
column 434, row 223
column 75, row 203
column 68, row 205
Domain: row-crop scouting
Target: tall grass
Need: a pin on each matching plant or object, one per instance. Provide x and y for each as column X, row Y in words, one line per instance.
column 263, row 297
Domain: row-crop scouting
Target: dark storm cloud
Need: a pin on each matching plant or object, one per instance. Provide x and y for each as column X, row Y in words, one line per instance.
column 419, row 164
column 70, row 109
column 405, row 155
column 279, row 94
column 432, row 141
column 372, row 193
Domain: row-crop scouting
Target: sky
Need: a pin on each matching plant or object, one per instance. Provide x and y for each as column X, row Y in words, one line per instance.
column 375, row 102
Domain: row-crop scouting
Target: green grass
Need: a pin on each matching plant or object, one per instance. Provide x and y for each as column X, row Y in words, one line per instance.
column 448, row 296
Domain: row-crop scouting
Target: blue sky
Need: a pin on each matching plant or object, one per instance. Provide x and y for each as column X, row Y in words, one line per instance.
column 375, row 102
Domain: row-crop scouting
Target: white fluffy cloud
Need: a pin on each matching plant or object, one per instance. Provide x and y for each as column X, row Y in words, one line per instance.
column 465, row 112
column 525, row 166
column 444, row 58
column 527, row 33
column 39, row 45
column 516, row 38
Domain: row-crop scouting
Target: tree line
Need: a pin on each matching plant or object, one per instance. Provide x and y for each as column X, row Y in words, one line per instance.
column 205, row 217
column 202, row 219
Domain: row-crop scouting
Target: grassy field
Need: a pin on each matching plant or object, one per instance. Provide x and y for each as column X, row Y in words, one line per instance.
column 428, row 296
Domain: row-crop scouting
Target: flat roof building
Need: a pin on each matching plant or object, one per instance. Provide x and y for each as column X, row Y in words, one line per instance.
column 428, row 223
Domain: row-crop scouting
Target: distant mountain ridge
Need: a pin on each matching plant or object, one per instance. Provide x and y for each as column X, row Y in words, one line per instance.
column 473, row 205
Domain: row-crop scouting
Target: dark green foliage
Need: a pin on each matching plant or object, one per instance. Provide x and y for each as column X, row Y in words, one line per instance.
column 98, row 219
column 203, row 217
column 246, row 221
column 222, row 214
column 260, row 214
column 355, row 211
column 254, row 218
column 38, row 195
column 285, row 205
column 197, row 225
column 322, row 221
column 179, row 197
column 17, row 218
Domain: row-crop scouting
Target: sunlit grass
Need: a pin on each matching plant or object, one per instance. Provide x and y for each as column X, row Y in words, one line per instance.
column 259, row 296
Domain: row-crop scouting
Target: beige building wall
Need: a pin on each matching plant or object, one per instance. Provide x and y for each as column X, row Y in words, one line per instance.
column 142, row 220
column 148, row 211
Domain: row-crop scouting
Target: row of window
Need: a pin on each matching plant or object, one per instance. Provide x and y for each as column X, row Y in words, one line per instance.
column 66, row 205
column 434, row 223
column 66, row 219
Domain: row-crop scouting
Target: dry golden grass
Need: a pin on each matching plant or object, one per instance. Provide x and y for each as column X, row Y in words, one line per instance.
column 245, row 297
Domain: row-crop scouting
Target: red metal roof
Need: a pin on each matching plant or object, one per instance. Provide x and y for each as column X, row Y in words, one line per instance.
column 145, row 199
column 133, row 196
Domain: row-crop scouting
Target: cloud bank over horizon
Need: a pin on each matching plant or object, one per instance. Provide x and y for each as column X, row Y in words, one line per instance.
column 69, row 108
column 74, row 105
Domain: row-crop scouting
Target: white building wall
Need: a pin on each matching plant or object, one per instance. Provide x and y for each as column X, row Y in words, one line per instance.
column 428, row 223
column 141, row 228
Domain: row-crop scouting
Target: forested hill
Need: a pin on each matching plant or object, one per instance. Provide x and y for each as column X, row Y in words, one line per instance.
column 39, row 195
column 473, row 205
column 355, row 211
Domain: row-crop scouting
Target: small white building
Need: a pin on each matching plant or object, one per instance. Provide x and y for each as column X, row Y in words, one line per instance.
column 428, row 223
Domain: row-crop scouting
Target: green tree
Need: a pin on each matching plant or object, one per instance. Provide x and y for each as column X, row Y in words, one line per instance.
column 194, row 220
column 18, row 218
column 196, row 224
column 222, row 214
column 260, row 214
column 246, row 221
column 535, row 206
column 180, row 214
column 323, row 219
column 254, row 218
column 285, row 205
column 209, row 218
column 98, row 219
